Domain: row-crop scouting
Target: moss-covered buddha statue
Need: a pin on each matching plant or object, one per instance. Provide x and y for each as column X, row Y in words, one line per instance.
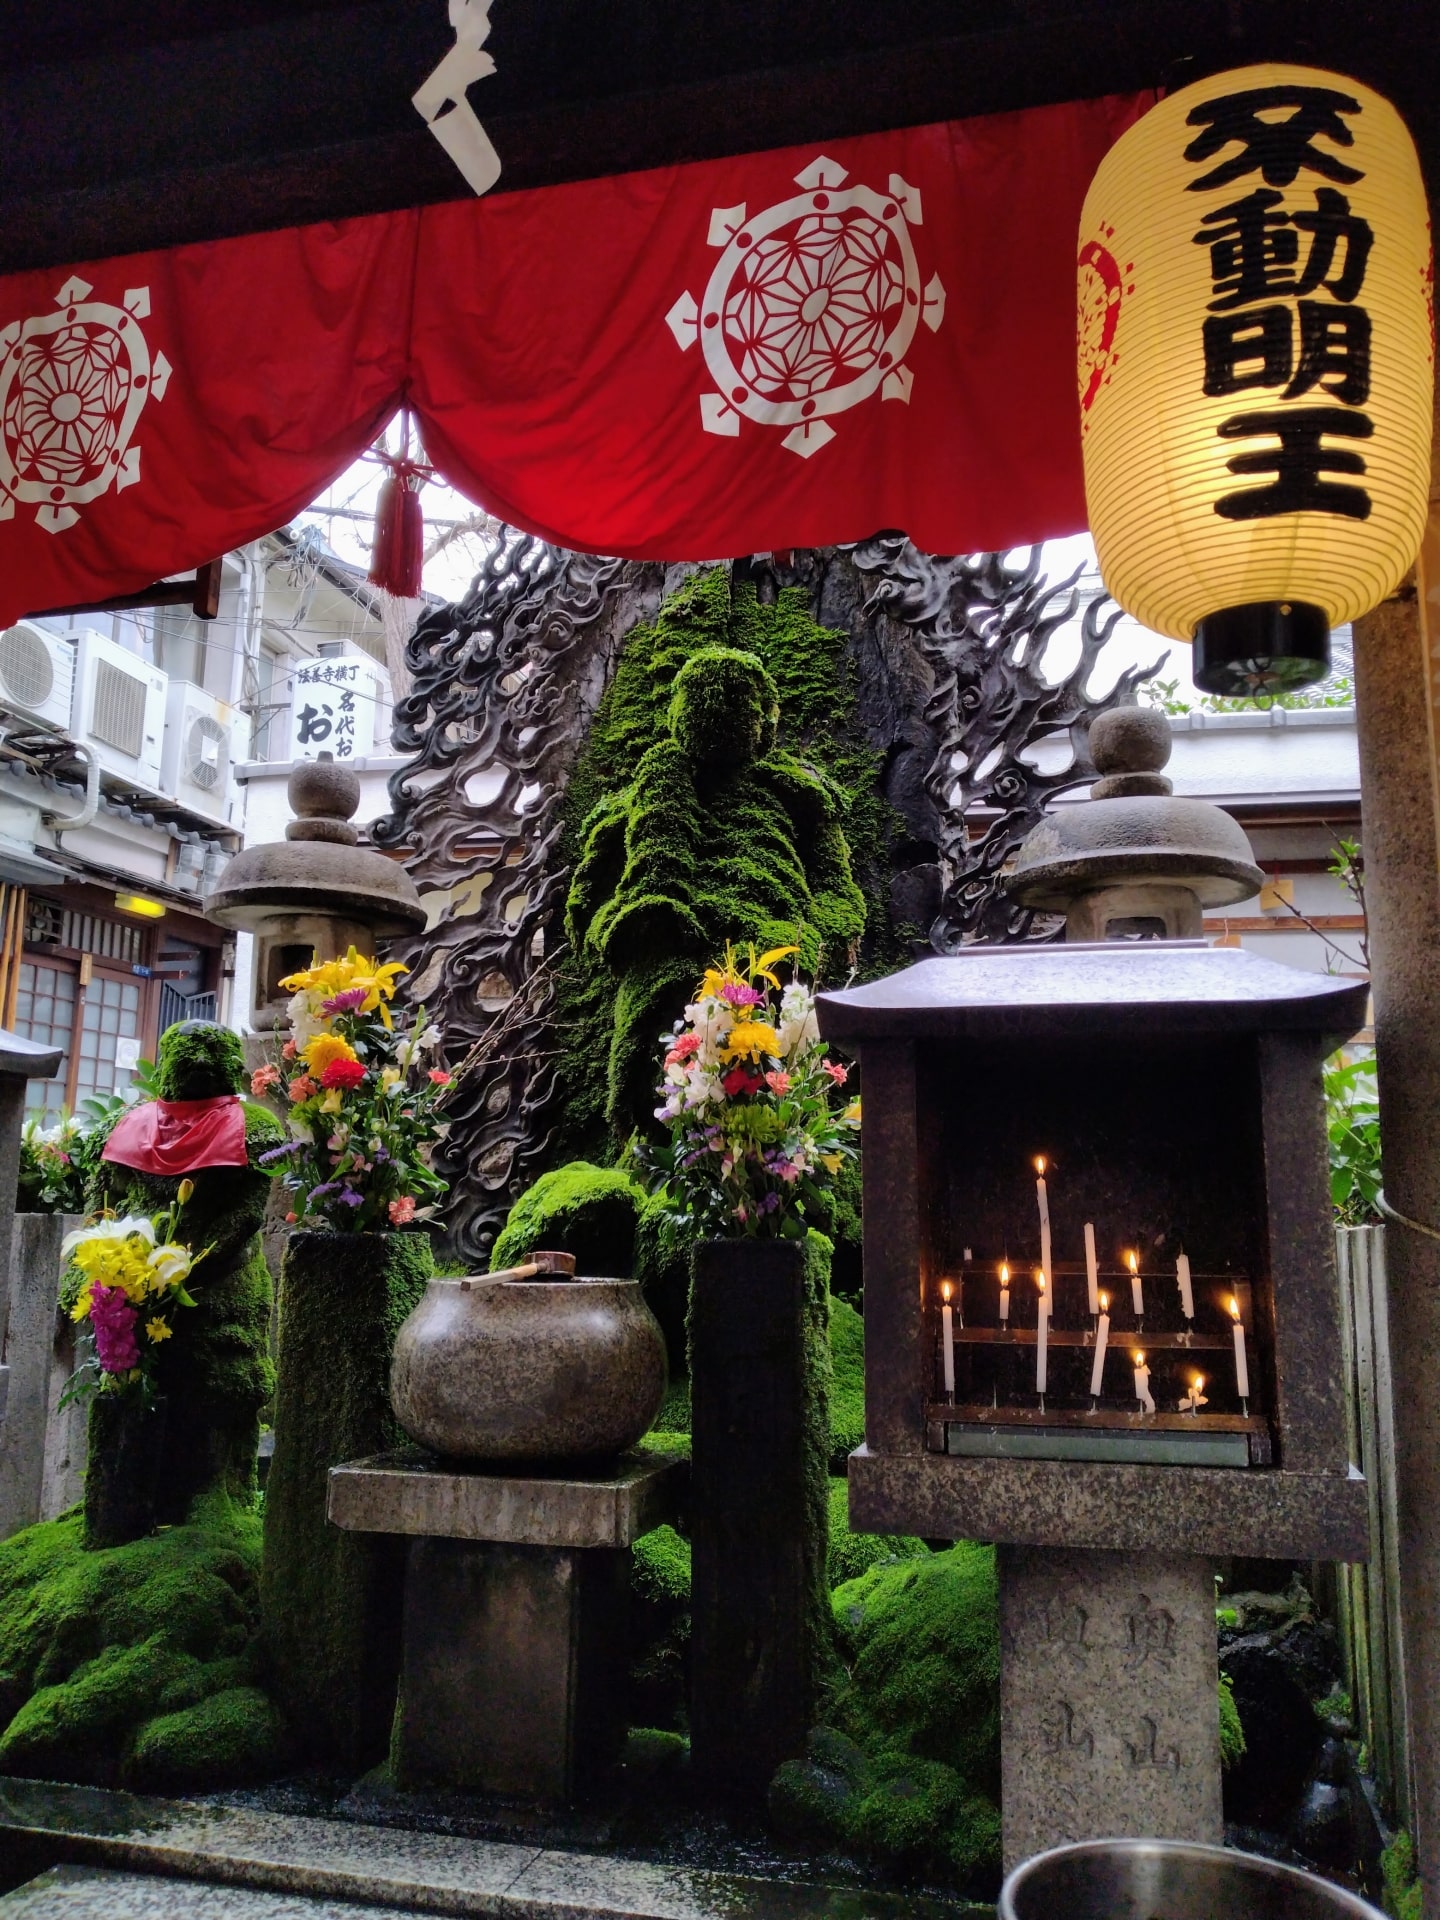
column 721, row 833
column 215, row 1372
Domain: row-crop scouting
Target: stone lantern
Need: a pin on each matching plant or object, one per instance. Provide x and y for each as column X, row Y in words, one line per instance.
column 1138, row 1122
column 314, row 894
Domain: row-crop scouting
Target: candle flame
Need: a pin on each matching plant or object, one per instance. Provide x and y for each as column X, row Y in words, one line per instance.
column 1139, row 1359
column 1040, row 1278
column 1104, row 1303
column 945, row 1289
column 1040, row 1165
column 1198, row 1381
column 1004, row 1274
column 1132, row 1260
column 1234, row 1308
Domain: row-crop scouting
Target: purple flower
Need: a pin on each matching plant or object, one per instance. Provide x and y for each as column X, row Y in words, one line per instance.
column 113, row 1319
column 319, row 1193
column 739, row 995
column 349, row 1198
column 347, row 1002
column 279, row 1153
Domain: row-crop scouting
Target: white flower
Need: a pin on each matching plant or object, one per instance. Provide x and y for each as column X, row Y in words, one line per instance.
column 798, row 1027
column 704, row 1089
column 670, row 1108
column 303, row 1024
column 135, row 1223
column 712, row 1019
column 170, row 1264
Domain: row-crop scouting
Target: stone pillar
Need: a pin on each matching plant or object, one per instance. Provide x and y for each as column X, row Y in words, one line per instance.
column 1397, row 674
column 759, row 1377
column 1108, row 1698
column 34, row 1438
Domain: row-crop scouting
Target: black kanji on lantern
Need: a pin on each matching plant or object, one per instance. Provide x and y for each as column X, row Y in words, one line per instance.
column 313, row 726
column 1255, row 248
column 1275, row 149
column 1297, row 463
column 1334, row 352
column 1248, row 350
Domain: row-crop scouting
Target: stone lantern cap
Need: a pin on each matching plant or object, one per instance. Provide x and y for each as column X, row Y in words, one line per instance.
column 319, row 868
column 1044, row 990
column 1133, row 831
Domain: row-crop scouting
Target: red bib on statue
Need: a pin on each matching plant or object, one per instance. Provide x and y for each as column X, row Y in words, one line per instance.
column 180, row 1136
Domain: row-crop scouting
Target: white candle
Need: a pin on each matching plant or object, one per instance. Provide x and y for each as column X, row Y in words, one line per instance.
column 1102, row 1334
column 1004, row 1293
column 1092, row 1268
column 1142, row 1383
column 1242, row 1368
column 1043, row 1201
column 1195, row 1399
column 948, row 1334
column 1042, row 1334
column 1137, row 1290
column 1182, row 1274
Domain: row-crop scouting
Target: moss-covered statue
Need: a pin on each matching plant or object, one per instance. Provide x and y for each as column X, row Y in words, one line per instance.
column 214, row 1373
column 721, row 833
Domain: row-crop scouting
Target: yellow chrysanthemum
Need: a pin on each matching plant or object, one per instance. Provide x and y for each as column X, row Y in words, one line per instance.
column 330, row 977
column 749, row 1039
column 325, row 1047
column 157, row 1329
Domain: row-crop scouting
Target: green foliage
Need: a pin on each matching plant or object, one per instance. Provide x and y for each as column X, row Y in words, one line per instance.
column 111, row 1659
column 847, row 1382
column 1232, row 1734
column 660, row 1628
column 673, row 852
column 1336, row 691
column 909, row 1765
column 1403, row 1895
column 330, row 1598
column 852, row 1554
column 1352, row 1115
column 581, row 1209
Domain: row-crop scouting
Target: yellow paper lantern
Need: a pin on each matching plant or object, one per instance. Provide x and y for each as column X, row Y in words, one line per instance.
column 1256, row 363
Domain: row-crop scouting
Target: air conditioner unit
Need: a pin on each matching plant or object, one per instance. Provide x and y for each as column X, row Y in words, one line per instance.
column 37, row 674
column 120, row 709
column 204, row 738
column 340, row 705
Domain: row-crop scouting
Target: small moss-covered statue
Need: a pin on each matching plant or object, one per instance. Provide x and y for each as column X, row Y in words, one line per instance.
column 214, row 1373
column 720, row 835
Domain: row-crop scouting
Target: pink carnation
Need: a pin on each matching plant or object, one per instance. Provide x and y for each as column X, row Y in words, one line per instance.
column 402, row 1211
column 777, row 1081
column 263, row 1079
column 836, row 1072
column 113, row 1319
column 439, row 1077
column 301, row 1088
column 685, row 1045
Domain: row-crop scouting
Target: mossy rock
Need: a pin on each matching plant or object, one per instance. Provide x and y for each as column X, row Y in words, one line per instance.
column 851, row 1554
column 236, row 1736
column 99, row 1646
column 1232, row 1734
column 582, row 1209
column 660, row 1629
column 847, row 1382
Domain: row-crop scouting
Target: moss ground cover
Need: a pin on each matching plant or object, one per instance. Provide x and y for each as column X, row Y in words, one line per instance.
column 137, row 1665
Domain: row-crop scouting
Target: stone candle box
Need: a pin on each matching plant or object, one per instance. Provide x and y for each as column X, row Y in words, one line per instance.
column 1174, row 1091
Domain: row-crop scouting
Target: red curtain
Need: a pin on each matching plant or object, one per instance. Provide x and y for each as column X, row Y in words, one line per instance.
column 775, row 350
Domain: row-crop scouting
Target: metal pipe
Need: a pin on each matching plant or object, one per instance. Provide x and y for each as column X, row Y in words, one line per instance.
column 66, row 822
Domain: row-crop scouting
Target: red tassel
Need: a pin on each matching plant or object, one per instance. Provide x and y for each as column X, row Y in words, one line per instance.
column 397, row 555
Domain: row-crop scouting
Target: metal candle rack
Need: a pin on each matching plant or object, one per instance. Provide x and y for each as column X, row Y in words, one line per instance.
column 997, row 1410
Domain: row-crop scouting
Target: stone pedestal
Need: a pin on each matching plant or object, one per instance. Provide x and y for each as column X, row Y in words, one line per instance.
column 516, row 1606
column 1108, row 1698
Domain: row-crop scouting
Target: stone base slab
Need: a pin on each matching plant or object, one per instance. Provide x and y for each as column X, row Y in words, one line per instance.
column 1070, row 1503
column 607, row 1506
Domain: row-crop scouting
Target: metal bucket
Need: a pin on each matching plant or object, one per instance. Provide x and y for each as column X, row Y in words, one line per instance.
column 1169, row 1880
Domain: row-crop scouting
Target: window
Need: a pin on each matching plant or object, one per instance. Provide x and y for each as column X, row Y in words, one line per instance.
column 111, row 1014
column 179, row 644
column 271, row 703
column 45, row 1013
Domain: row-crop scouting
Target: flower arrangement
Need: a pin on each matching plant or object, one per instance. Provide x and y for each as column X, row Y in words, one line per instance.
column 52, row 1170
column 749, row 1101
column 364, row 1101
column 132, row 1272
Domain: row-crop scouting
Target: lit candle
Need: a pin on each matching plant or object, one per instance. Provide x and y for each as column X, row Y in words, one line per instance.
column 948, row 1334
column 1142, row 1383
column 1042, row 1333
column 1137, row 1290
column 1043, row 1201
column 1242, row 1369
column 1092, row 1268
column 1195, row 1399
column 1004, row 1293
column 1102, row 1334
column 1182, row 1274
